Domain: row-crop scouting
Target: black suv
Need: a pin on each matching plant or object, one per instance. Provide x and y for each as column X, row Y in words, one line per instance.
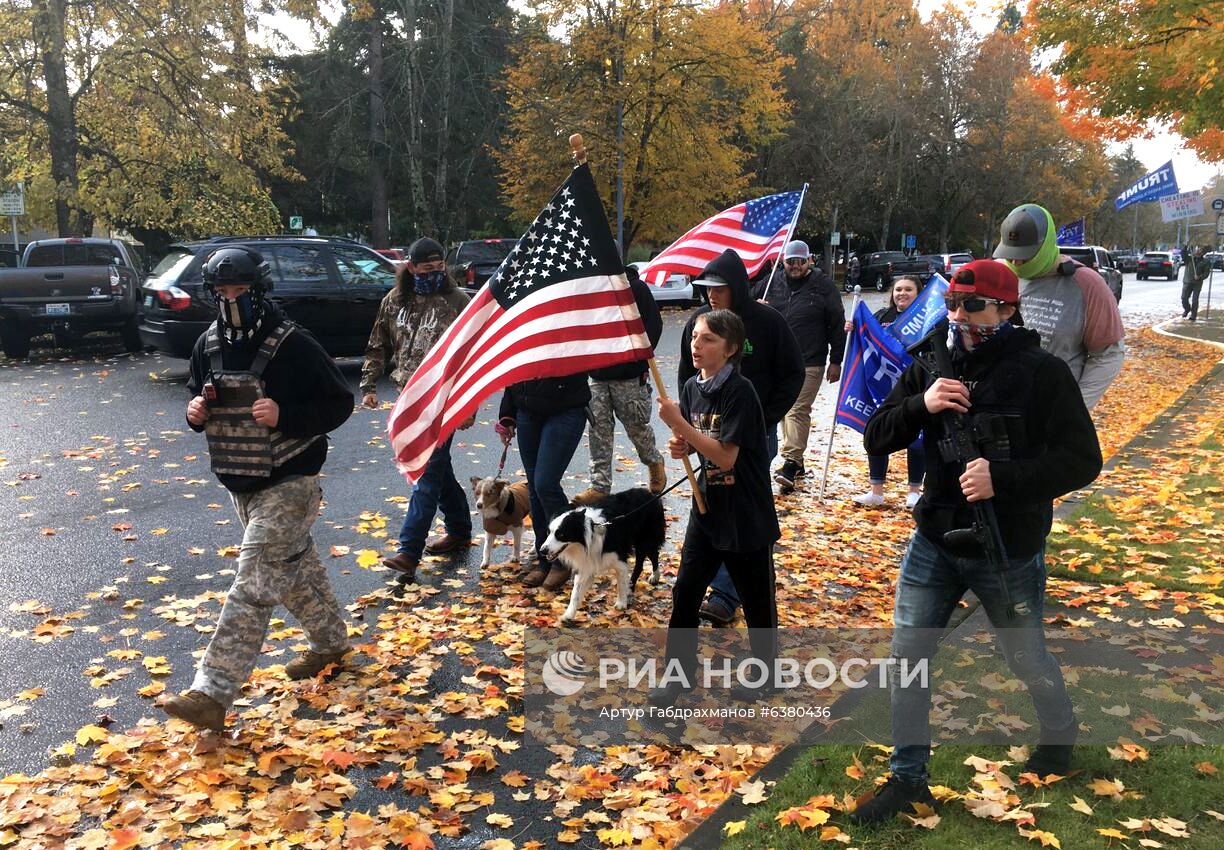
column 330, row 286
column 472, row 263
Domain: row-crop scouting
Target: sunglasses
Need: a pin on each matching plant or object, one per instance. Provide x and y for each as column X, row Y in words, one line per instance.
column 796, row 261
column 971, row 303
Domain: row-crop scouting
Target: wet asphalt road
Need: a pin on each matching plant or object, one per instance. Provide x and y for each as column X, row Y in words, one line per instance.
column 92, row 440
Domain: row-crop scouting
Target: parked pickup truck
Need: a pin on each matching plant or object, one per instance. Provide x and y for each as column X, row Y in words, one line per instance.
column 70, row 287
column 883, row 267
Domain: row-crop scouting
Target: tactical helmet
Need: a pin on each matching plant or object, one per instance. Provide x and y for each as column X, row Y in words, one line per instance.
column 239, row 267
column 1028, row 241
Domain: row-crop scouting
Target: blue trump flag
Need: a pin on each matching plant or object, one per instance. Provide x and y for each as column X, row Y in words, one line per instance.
column 926, row 312
column 1150, row 187
column 1072, row 234
column 874, row 362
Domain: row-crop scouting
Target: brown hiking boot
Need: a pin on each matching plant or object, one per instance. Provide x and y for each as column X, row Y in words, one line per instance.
column 445, row 544
column 310, row 663
column 198, row 709
column 402, row 563
column 536, row 575
column 589, row 496
column 658, row 477
column 558, row 576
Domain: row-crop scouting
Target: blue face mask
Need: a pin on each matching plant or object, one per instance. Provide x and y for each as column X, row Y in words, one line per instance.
column 428, row 283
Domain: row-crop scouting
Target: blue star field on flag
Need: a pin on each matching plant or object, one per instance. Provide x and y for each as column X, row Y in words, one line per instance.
column 766, row 215
column 569, row 239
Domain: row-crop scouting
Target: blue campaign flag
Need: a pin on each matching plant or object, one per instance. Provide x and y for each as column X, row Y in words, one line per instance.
column 926, row 312
column 1072, row 234
column 1150, row 187
column 874, row 362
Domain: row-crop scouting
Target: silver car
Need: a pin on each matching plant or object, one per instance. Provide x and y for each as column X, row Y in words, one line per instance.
column 677, row 290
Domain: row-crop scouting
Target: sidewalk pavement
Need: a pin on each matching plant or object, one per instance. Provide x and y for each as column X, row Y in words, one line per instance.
column 1199, row 398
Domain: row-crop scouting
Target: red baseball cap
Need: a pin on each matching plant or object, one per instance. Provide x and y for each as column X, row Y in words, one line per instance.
column 987, row 278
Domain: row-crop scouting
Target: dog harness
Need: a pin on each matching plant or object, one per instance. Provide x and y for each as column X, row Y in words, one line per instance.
column 516, row 510
column 237, row 444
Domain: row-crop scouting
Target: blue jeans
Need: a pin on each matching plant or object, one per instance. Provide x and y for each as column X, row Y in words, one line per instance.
column 931, row 582
column 877, row 467
column 436, row 489
column 722, row 589
column 547, row 445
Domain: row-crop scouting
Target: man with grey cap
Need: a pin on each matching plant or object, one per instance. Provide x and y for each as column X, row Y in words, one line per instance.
column 1068, row 304
column 809, row 301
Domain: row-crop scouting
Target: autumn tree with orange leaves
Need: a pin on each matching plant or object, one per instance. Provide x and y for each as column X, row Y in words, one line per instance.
column 1142, row 60
column 698, row 90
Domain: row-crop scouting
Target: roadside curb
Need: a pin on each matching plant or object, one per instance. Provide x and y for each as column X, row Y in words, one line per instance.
column 708, row 834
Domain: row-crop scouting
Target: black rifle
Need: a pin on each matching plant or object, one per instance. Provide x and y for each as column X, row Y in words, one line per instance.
column 959, row 444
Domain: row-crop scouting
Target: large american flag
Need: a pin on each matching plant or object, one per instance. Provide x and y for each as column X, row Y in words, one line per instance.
column 756, row 230
column 558, row 304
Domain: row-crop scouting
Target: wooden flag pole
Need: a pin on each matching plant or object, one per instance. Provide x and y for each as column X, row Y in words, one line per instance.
column 580, row 156
column 688, row 465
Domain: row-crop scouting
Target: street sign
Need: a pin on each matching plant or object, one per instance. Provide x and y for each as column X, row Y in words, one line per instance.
column 1219, row 225
column 295, row 222
column 1218, row 204
column 911, row 241
column 12, row 203
column 835, row 239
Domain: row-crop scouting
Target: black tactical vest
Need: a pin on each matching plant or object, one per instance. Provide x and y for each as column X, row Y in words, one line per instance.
column 237, row 444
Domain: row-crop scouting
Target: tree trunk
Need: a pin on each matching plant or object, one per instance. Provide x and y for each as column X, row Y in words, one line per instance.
column 378, row 138
column 446, row 27
column 49, row 23
column 420, row 223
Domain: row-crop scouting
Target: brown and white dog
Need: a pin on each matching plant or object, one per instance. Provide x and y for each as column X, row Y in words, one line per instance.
column 503, row 507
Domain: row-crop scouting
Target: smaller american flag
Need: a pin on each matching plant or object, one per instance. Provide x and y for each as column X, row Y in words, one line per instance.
column 756, row 230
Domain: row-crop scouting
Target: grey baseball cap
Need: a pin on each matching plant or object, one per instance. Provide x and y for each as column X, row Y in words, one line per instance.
column 795, row 249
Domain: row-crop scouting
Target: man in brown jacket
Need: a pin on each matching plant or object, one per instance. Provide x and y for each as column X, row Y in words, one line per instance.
column 412, row 317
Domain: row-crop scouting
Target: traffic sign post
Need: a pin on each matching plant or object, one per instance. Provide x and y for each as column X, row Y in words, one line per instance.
column 12, row 204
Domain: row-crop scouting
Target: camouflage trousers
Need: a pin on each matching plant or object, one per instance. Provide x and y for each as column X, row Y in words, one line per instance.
column 277, row 564
column 628, row 401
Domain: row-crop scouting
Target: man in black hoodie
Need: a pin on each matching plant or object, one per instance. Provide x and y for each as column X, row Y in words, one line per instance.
column 1037, row 442
column 266, row 394
column 772, row 362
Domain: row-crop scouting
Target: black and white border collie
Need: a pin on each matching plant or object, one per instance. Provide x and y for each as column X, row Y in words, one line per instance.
column 599, row 539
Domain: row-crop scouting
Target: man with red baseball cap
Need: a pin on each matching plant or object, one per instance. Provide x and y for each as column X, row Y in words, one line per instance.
column 1036, row 442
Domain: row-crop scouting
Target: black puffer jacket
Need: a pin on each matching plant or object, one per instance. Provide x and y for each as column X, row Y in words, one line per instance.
column 772, row 360
column 1050, row 448
column 545, row 396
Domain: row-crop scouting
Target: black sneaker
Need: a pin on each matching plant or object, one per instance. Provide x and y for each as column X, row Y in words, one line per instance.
column 1050, row 758
column 787, row 473
column 896, row 797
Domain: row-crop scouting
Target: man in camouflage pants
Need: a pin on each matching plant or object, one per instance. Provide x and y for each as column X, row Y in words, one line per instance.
column 265, row 393
column 622, row 392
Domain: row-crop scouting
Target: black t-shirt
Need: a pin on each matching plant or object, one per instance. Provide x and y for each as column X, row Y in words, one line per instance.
column 740, row 514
